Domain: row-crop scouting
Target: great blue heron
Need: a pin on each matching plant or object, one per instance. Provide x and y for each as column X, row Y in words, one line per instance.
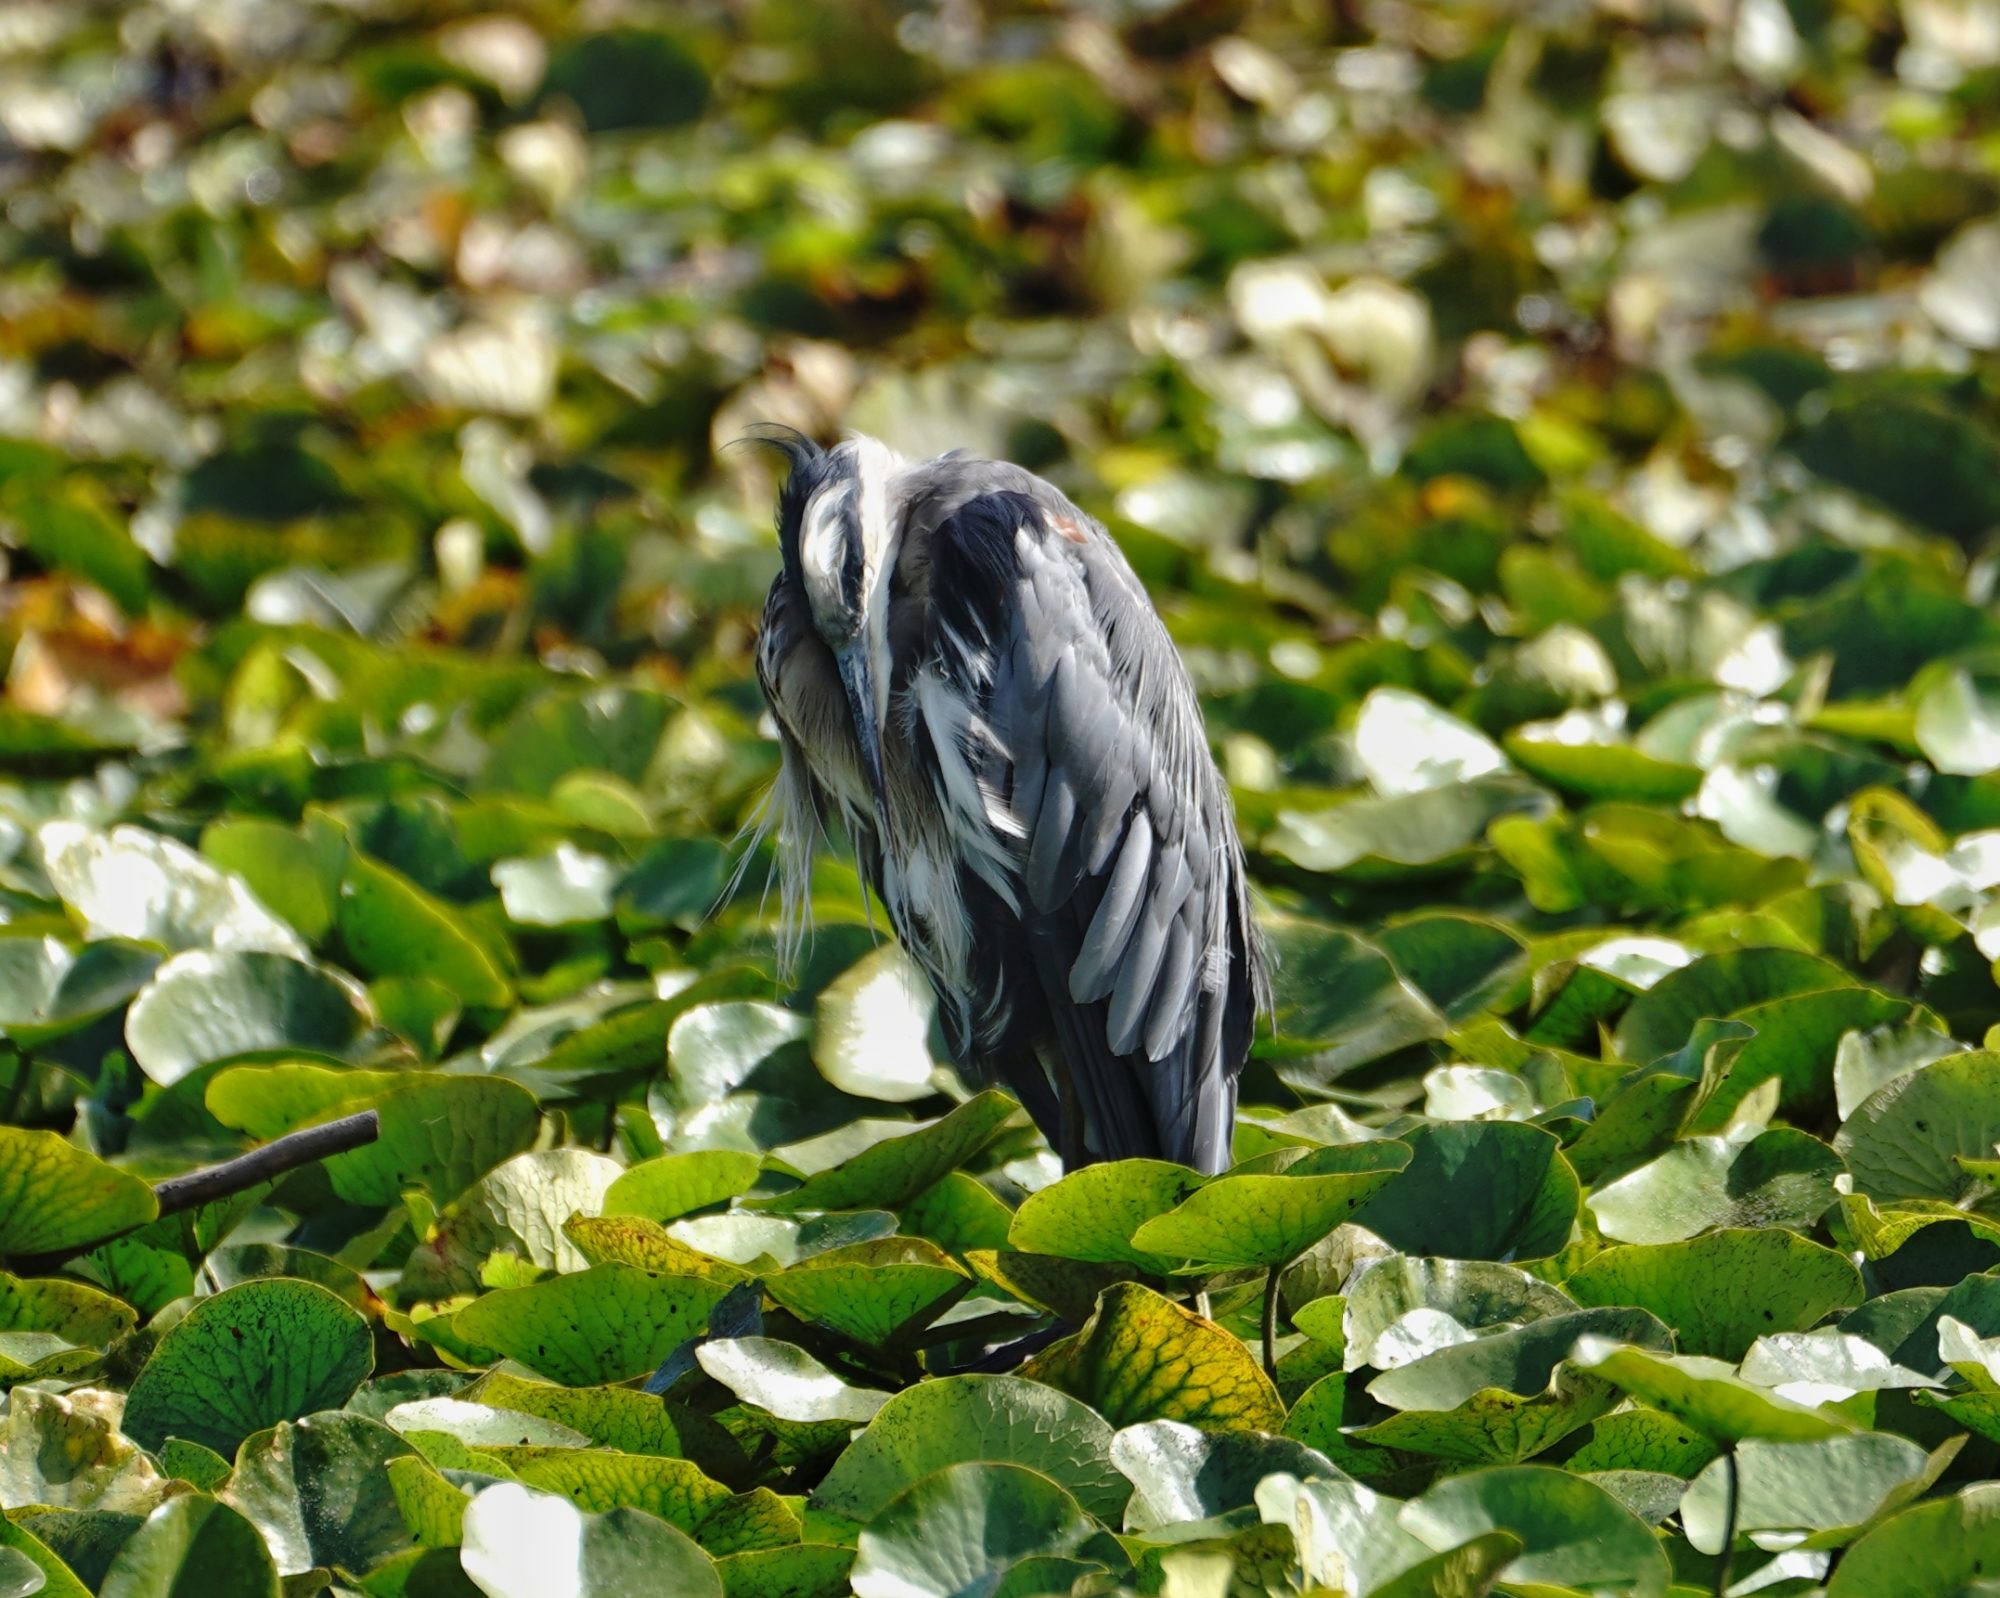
column 969, row 678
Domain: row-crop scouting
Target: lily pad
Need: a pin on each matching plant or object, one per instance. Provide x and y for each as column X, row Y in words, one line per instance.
column 1181, row 1475
column 604, row 1324
column 898, row 1169
column 1573, row 1533
column 678, row 1184
column 1477, row 1190
column 209, row 1005
column 318, row 1491
column 996, row 1419
column 1722, row 1291
column 1946, row 1545
column 1707, row 1395
column 1505, row 1397
column 874, row 1293
column 55, row 1198
column 520, row 1543
column 1906, row 1138
column 245, row 1359
column 1781, row 1178
column 1141, row 1357
column 192, row 1545
column 872, row 1028
column 438, row 1133
column 1819, row 1489
column 1268, row 1220
column 963, row 1528
column 1092, row 1214
column 135, row 884
column 785, row 1381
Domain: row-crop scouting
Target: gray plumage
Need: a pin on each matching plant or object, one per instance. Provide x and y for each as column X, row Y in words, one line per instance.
column 971, row 682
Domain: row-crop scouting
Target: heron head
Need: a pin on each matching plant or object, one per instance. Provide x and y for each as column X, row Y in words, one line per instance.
column 839, row 526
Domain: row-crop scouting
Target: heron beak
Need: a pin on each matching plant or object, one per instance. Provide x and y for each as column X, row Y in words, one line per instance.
column 857, row 675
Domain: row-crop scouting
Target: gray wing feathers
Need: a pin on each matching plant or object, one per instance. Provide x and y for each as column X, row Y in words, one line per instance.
column 1122, row 808
column 1104, row 941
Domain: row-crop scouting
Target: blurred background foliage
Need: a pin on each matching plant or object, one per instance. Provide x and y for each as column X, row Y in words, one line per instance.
column 1564, row 440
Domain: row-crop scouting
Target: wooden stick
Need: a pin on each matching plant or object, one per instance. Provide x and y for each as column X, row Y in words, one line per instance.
column 211, row 1182
column 284, row 1154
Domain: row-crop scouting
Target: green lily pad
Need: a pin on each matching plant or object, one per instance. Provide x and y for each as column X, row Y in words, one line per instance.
column 438, row 1133
column 1461, row 963
column 1141, row 1357
column 1092, row 1214
column 135, row 884
column 55, row 1198
column 1781, row 1178
column 318, row 1491
column 1707, row 1395
column 432, row 1508
column 1338, row 1001
column 519, row 1207
column 211, row 1004
column 1865, row 1061
column 1065, row 1287
column 617, row 1417
column 520, row 1543
column 563, row 887
column 1348, row 1537
column 297, row 875
column 959, row 1214
column 1573, row 1533
column 1638, row 1439
column 85, row 1542
column 1242, row 1221
column 604, row 1324
column 479, row 1426
column 748, row 1521
column 786, row 1382
column 962, row 1529
column 192, row 1545
column 805, row 1570
column 1905, row 1140
column 1797, row 1042
column 48, row 989
column 66, row 1453
column 1662, row 1017
column 1602, row 770
column 597, row 1481
column 564, row 730
column 390, row 926
column 1181, row 1475
column 872, row 1028
column 1722, row 1291
column 1474, row 1294
column 1477, row 1190
column 71, row 1310
column 628, row 1240
column 898, row 1169
column 1505, row 1397
column 245, row 1359
column 874, row 1293
column 1826, row 1490
column 996, row 1419
column 1947, row 1545
column 678, row 1184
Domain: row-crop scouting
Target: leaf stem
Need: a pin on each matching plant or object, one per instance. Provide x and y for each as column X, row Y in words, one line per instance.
column 1271, row 1319
column 1727, row 1556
